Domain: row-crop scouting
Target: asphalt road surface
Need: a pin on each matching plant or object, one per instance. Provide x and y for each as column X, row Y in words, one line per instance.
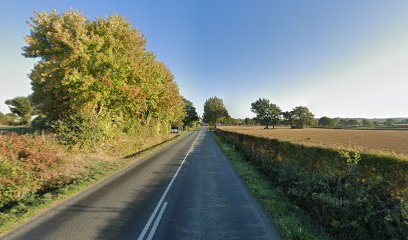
column 187, row 190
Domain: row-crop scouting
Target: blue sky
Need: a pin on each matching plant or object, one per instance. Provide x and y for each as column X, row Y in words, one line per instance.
column 340, row 58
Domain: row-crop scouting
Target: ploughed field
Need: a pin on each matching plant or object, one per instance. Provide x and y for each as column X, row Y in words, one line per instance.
column 379, row 141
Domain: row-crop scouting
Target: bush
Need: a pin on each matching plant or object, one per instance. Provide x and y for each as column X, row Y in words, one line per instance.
column 28, row 165
column 353, row 196
column 81, row 130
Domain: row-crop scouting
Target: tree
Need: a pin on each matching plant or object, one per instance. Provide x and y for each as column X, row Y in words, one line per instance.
column 247, row 121
column 266, row 112
column 22, row 107
column 227, row 120
column 367, row 123
column 98, row 74
column 191, row 114
column 214, row 110
column 336, row 121
column 353, row 123
column 250, row 121
column 301, row 117
column 389, row 122
column 342, row 123
column 326, row 122
column 287, row 118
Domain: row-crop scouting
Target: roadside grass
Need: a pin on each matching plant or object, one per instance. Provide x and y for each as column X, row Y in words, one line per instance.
column 33, row 205
column 290, row 220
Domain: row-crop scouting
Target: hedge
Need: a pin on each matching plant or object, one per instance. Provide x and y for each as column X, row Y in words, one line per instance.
column 353, row 195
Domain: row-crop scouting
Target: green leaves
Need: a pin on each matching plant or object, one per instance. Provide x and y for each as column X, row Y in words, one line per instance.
column 301, row 117
column 191, row 114
column 214, row 110
column 266, row 112
column 22, row 107
column 99, row 68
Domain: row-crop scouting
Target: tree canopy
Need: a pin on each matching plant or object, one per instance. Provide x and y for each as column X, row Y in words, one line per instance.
column 389, row 122
column 214, row 110
column 191, row 113
column 266, row 112
column 326, row 122
column 301, row 117
column 367, row 123
column 22, row 107
column 99, row 71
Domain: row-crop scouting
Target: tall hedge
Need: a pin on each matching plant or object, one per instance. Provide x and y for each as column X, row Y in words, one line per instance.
column 355, row 196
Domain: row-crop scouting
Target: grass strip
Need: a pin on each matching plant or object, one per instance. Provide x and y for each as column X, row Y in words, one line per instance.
column 35, row 204
column 290, row 220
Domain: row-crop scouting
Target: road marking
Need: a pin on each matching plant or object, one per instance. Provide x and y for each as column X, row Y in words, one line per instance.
column 156, row 223
column 149, row 222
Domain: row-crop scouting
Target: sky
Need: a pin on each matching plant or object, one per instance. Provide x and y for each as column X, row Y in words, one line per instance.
column 342, row 58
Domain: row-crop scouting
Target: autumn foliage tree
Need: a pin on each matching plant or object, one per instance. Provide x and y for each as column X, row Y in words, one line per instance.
column 97, row 76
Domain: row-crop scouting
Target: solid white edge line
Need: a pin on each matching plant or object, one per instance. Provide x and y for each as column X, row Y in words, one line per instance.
column 156, row 223
column 149, row 222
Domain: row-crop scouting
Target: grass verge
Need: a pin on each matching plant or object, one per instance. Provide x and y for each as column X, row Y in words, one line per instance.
column 36, row 204
column 290, row 220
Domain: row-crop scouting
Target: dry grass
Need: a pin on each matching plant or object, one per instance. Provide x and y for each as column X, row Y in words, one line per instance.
column 376, row 141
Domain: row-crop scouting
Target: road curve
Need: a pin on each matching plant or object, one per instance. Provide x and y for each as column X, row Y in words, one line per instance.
column 187, row 190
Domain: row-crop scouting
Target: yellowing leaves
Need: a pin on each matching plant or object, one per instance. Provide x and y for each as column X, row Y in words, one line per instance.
column 99, row 67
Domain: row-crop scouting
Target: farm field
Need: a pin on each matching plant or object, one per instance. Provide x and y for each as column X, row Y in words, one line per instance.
column 385, row 141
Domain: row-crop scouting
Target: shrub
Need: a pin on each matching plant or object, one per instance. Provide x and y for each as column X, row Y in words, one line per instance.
column 28, row 165
column 77, row 129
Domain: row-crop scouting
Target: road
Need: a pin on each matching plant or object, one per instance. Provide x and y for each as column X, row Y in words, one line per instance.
column 187, row 190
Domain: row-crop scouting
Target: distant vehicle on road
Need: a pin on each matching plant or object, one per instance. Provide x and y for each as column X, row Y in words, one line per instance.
column 177, row 129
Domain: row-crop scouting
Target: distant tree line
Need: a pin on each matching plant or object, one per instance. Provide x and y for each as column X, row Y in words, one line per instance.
column 269, row 114
column 327, row 122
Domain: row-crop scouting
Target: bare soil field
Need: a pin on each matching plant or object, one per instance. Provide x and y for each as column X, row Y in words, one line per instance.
column 378, row 141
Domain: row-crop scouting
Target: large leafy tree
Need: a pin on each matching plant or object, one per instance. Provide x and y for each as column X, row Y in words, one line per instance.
column 266, row 112
column 302, row 117
column 326, row 122
column 191, row 113
column 22, row 107
column 287, row 118
column 101, row 72
column 214, row 110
